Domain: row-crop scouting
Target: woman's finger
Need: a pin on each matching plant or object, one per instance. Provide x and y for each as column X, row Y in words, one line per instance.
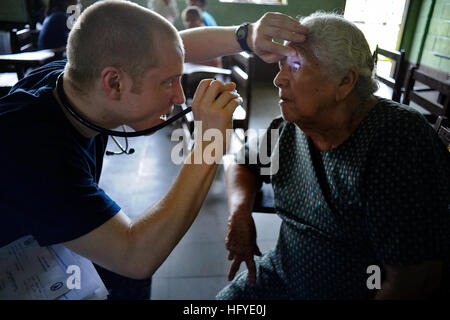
column 251, row 271
column 233, row 269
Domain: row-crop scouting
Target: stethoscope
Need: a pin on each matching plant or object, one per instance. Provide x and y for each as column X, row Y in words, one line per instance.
column 66, row 104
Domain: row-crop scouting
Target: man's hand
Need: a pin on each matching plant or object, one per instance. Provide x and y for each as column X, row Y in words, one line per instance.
column 241, row 244
column 274, row 26
column 214, row 103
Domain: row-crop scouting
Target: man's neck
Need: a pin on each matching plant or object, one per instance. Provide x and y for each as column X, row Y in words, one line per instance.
column 83, row 105
column 333, row 136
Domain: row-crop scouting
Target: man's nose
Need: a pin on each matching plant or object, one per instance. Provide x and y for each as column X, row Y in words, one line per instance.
column 178, row 95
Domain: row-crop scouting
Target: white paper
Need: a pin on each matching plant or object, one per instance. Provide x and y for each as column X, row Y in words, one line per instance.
column 91, row 285
column 29, row 272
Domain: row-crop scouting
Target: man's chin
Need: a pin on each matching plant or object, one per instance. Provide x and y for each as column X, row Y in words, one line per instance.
column 151, row 124
column 149, row 134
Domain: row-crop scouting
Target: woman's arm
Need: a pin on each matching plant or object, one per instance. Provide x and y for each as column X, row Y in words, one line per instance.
column 240, row 242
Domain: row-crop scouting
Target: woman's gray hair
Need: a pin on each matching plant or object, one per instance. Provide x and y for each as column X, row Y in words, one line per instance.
column 340, row 45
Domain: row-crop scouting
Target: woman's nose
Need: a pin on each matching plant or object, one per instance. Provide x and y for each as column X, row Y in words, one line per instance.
column 279, row 80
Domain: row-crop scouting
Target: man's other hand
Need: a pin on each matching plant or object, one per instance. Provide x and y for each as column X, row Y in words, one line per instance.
column 275, row 26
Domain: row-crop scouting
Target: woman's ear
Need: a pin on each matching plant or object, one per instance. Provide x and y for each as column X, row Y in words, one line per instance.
column 348, row 82
column 112, row 82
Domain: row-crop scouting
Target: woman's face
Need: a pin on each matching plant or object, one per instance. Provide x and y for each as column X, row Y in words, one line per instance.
column 307, row 95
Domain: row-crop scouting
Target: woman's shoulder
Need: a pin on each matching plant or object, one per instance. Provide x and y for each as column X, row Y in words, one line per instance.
column 392, row 119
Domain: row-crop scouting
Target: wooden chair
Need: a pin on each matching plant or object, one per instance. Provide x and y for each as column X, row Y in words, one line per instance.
column 434, row 100
column 396, row 81
column 264, row 199
column 23, row 56
column 22, row 40
column 442, row 127
column 242, row 66
column 192, row 75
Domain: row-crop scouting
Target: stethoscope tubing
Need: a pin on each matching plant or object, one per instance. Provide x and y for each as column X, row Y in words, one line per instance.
column 66, row 104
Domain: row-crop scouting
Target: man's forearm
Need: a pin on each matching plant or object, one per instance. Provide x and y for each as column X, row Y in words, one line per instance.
column 206, row 43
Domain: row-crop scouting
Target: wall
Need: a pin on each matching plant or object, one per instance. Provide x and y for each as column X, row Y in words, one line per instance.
column 437, row 39
column 13, row 10
column 234, row 14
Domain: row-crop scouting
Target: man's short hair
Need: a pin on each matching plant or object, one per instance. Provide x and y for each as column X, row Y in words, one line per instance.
column 340, row 45
column 115, row 33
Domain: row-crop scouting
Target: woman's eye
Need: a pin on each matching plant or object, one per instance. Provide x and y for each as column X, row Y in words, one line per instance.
column 169, row 83
column 295, row 66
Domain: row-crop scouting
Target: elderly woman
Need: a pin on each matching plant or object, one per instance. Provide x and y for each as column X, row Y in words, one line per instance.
column 363, row 186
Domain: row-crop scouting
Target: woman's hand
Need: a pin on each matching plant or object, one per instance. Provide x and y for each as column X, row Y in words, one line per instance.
column 241, row 244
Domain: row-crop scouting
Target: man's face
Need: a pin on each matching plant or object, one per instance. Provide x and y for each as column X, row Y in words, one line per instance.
column 160, row 89
column 307, row 96
column 193, row 21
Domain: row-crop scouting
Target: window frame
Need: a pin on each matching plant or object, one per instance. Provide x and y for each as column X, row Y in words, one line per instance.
column 258, row 2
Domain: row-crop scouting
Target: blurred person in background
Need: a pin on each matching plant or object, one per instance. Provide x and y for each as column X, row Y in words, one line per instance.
column 167, row 8
column 208, row 19
column 54, row 31
column 192, row 18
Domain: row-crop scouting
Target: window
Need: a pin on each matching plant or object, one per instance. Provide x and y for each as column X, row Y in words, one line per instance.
column 276, row 2
column 379, row 20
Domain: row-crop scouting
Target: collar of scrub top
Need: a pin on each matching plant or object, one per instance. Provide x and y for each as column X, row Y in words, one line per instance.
column 66, row 104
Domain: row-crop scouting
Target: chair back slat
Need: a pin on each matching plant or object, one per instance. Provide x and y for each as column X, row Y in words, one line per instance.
column 21, row 41
column 442, row 128
column 242, row 67
column 397, row 79
column 437, row 107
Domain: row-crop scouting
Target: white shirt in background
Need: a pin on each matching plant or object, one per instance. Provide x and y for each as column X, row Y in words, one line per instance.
column 167, row 8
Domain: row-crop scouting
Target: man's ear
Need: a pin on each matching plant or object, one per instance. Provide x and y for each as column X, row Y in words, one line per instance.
column 112, row 80
column 348, row 82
